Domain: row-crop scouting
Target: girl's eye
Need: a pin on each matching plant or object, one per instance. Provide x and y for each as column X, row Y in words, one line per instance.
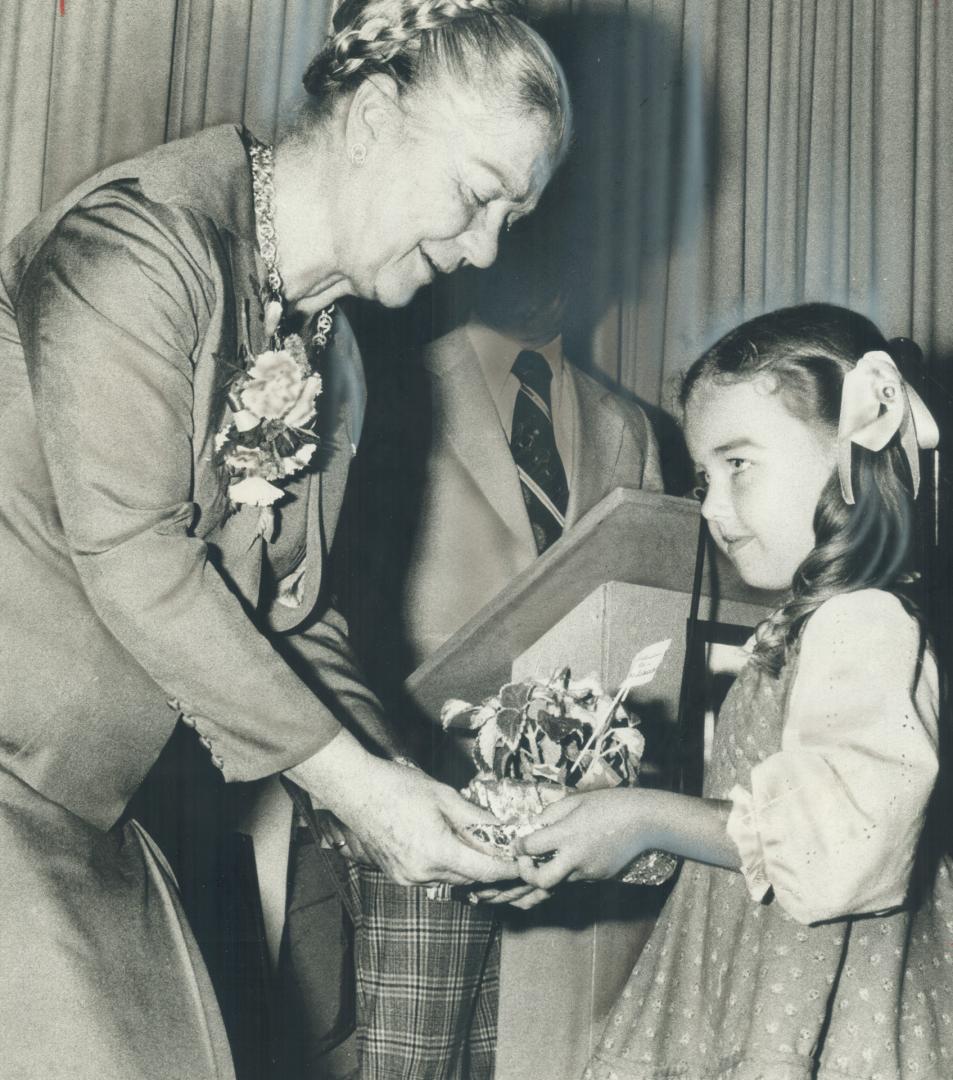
column 700, row 490
column 738, row 464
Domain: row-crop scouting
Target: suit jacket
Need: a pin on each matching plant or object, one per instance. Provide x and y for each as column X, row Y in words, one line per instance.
column 129, row 596
column 436, row 522
column 475, row 535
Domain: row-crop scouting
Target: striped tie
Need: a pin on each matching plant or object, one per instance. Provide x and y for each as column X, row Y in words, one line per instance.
column 533, row 444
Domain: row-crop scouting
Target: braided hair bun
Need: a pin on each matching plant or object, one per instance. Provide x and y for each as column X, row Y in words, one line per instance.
column 371, row 35
column 481, row 43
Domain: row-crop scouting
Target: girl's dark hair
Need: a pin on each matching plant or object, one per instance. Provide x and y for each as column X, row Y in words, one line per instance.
column 483, row 44
column 807, row 350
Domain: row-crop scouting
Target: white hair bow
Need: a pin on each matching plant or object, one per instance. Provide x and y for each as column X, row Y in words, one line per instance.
column 875, row 404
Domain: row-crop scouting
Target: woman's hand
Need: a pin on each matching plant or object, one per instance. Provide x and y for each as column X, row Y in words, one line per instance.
column 338, row 837
column 593, row 834
column 521, row 896
column 406, row 824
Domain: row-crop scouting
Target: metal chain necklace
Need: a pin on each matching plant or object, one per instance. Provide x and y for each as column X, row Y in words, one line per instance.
column 268, row 434
column 262, row 159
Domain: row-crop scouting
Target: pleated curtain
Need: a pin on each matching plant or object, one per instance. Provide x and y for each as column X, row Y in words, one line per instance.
column 745, row 154
column 107, row 79
column 732, row 155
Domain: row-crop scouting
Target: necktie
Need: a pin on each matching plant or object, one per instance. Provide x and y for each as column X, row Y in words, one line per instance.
column 533, row 443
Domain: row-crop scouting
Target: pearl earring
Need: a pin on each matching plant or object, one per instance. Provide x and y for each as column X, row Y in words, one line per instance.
column 358, row 154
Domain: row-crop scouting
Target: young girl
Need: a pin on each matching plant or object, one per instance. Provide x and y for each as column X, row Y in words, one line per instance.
column 810, row 934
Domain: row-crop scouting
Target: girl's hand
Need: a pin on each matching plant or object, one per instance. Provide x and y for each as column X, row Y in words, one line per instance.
column 593, row 834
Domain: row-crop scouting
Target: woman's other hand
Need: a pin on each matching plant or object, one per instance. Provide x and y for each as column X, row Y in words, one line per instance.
column 590, row 837
column 521, row 896
column 407, row 824
column 338, row 837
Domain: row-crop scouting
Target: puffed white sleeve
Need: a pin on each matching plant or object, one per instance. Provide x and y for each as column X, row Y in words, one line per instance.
column 832, row 821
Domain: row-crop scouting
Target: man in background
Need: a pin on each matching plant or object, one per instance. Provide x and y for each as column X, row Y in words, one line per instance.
column 508, row 446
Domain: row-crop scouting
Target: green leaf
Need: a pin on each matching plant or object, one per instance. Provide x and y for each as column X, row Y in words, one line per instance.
column 515, row 695
column 557, row 727
column 510, row 724
column 506, row 764
column 484, row 748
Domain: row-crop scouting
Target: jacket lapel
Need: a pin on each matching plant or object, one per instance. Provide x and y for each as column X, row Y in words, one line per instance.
column 597, row 441
column 466, row 416
column 340, row 419
column 238, row 533
column 346, row 399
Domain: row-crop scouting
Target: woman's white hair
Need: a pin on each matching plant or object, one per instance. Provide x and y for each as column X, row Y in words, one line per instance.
column 479, row 43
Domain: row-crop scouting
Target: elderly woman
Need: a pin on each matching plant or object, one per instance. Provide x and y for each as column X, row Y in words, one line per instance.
column 165, row 503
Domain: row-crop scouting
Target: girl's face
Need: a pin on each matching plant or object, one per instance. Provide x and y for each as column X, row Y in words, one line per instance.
column 764, row 470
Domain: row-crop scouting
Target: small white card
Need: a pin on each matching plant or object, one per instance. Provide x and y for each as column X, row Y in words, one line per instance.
column 643, row 668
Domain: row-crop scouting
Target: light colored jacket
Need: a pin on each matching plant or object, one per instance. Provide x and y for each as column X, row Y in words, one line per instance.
column 474, row 534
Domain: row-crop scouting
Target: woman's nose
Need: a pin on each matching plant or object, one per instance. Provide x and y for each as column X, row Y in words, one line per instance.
column 480, row 244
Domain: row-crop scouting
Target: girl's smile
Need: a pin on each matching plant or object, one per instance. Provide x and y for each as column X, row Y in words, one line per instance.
column 733, row 543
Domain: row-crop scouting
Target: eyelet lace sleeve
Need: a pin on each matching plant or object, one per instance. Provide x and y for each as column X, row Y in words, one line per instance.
column 833, row 819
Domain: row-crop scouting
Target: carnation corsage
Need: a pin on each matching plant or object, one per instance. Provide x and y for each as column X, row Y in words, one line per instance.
column 537, row 741
column 269, row 433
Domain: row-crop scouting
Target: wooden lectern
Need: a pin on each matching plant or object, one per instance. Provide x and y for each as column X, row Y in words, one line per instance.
column 619, row 580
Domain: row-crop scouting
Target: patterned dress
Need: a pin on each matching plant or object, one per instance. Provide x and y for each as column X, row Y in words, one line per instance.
column 733, row 989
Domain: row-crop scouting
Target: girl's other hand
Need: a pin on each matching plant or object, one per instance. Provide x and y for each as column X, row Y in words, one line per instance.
column 593, row 835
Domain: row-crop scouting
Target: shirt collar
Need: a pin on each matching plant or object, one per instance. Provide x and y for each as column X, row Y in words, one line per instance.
column 497, row 351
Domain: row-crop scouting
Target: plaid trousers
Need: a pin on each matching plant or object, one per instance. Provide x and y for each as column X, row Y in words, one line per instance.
column 427, row 982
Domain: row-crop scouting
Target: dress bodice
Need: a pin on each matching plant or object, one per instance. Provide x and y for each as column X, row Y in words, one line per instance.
column 749, row 728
